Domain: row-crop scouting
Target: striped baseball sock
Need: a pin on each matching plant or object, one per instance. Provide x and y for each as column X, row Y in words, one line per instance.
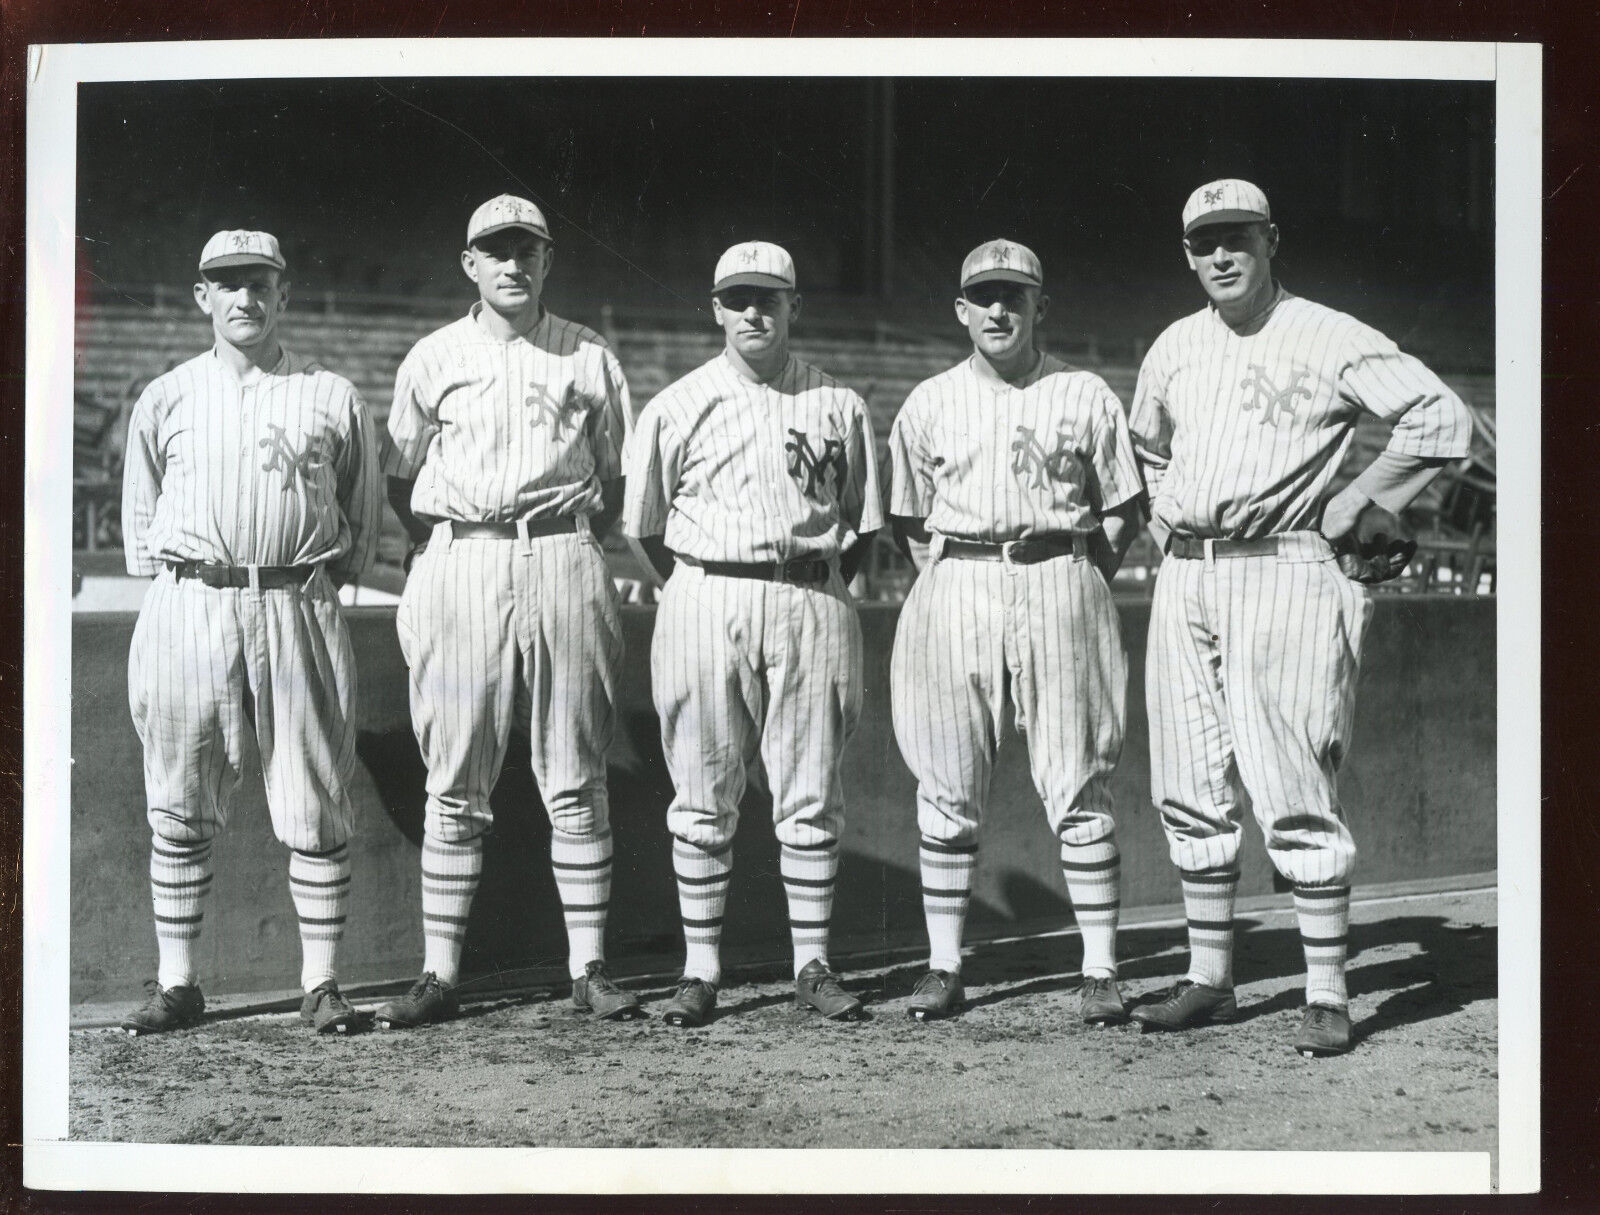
column 1208, row 904
column 320, row 885
column 946, row 890
column 1324, row 915
column 702, row 894
column 450, row 875
column 1094, row 880
column 180, row 879
column 582, row 867
column 808, row 875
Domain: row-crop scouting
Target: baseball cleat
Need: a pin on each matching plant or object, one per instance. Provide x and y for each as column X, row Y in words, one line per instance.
column 427, row 1002
column 594, row 992
column 691, row 1004
column 818, row 987
column 166, row 1008
column 1185, row 1005
column 938, row 994
column 327, row 1011
column 1324, row 1030
column 1100, row 1003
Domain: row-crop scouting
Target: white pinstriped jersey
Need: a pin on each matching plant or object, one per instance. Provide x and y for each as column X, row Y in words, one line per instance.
column 1240, row 434
column 495, row 431
column 980, row 459
column 730, row 470
column 278, row 469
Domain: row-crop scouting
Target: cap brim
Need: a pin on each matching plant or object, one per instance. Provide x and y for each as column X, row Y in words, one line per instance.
column 752, row 280
column 1001, row 276
column 490, row 231
column 229, row 260
column 1212, row 218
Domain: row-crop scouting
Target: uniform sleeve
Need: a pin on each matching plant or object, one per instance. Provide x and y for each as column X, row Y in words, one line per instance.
column 611, row 423
column 413, row 421
column 1149, row 423
column 360, row 491
column 143, row 466
column 653, row 467
column 1112, row 462
column 1429, row 419
column 910, row 464
column 861, row 500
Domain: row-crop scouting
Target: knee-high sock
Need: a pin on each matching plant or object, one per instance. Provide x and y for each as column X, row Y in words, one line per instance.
column 808, row 875
column 450, row 875
column 180, row 879
column 1094, row 880
column 946, row 890
column 582, row 868
column 1208, row 904
column 702, row 875
column 1324, row 915
column 320, row 885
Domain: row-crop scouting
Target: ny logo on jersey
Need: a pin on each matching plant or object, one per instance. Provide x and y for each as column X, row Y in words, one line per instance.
column 1213, row 196
column 1029, row 457
column 556, row 412
column 803, row 462
column 1272, row 401
column 283, row 458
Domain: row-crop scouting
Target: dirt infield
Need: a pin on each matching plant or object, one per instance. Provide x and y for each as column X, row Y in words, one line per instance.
column 1016, row 1070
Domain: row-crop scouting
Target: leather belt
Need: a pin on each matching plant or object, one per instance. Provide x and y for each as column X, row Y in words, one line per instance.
column 804, row 571
column 1194, row 549
column 268, row 577
column 560, row 525
column 1029, row 551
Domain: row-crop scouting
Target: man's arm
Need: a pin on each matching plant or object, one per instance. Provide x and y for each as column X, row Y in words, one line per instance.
column 400, row 499
column 850, row 560
column 653, row 556
column 604, row 519
column 1119, row 527
column 911, row 538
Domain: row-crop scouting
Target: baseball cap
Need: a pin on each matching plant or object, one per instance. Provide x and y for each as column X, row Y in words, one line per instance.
column 756, row 263
column 507, row 211
column 239, row 247
column 1227, row 201
column 1002, row 261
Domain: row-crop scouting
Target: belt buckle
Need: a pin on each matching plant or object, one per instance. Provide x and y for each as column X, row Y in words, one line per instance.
column 785, row 571
column 1010, row 550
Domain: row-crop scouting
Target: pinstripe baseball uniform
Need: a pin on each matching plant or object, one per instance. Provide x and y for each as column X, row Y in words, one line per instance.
column 731, row 470
column 981, row 459
column 276, row 469
column 1253, row 660
column 499, row 431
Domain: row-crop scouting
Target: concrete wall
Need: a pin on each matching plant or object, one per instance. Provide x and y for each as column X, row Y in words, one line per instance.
column 1419, row 786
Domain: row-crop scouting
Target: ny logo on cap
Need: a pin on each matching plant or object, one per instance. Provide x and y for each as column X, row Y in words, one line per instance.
column 749, row 254
column 1214, row 196
column 1003, row 252
column 1272, row 401
column 238, row 240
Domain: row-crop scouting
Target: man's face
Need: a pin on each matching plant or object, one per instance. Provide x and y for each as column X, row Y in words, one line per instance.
column 756, row 320
column 509, row 267
column 243, row 302
column 1000, row 318
column 1233, row 261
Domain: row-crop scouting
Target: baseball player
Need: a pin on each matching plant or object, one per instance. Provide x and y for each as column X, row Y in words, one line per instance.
column 503, row 453
column 1241, row 418
column 1014, row 489
column 752, row 494
column 250, row 491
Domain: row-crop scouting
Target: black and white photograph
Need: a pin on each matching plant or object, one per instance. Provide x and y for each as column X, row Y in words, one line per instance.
column 942, row 601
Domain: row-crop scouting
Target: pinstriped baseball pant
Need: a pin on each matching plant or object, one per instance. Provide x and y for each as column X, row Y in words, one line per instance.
column 973, row 632
column 738, row 667
column 1250, row 688
column 209, row 665
column 488, row 626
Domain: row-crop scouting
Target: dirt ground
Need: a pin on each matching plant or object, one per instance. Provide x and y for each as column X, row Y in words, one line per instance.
column 1017, row 1070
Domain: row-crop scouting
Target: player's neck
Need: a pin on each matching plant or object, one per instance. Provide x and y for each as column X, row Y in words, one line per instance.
column 1248, row 313
column 1014, row 371
column 504, row 326
column 763, row 370
column 244, row 361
